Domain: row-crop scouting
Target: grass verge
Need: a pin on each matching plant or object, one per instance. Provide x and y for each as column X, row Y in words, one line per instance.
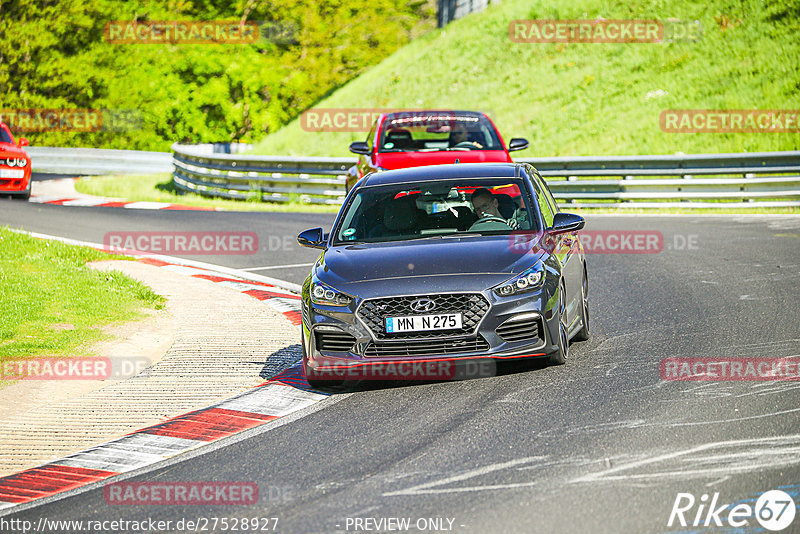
column 159, row 188
column 52, row 305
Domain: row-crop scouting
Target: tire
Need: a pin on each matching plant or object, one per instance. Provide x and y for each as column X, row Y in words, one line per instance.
column 583, row 333
column 26, row 194
column 560, row 355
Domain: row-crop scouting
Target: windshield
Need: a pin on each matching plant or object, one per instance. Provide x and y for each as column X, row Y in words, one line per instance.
column 436, row 209
column 4, row 137
column 437, row 132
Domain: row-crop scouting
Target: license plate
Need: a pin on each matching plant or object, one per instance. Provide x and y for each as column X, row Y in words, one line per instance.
column 12, row 173
column 416, row 323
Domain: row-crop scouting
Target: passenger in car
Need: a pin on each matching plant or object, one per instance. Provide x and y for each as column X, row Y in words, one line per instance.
column 399, row 219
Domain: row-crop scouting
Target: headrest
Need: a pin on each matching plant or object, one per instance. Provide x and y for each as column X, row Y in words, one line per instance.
column 400, row 214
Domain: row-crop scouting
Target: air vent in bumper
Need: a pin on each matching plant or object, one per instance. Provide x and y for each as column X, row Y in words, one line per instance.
column 428, row 347
column 521, row 328
column 334, row 341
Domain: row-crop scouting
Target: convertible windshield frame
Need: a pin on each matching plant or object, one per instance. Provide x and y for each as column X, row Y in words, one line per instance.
column 439, row 191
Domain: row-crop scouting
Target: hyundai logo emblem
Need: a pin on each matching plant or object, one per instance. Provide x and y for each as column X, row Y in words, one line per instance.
column 422, row 305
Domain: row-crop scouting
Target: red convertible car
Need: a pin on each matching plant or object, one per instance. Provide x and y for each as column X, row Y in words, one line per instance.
column 15, row 166
column 415, row 138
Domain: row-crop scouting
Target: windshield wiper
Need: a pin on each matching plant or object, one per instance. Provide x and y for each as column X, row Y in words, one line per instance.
column 449, row 236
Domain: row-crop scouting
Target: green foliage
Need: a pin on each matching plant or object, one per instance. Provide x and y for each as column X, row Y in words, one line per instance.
column 53, row 55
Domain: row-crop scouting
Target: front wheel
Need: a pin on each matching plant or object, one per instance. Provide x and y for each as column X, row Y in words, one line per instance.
column 559, row 357
column 26, row 194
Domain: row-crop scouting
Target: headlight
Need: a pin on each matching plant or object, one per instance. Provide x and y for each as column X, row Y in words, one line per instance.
column 528, row 280
column 325, row 294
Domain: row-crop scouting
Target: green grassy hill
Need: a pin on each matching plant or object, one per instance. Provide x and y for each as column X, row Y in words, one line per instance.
column 587, row 99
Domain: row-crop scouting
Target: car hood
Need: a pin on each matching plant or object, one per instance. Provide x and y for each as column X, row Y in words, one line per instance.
column 402, row 160
column 13, row 151
column 440, row 264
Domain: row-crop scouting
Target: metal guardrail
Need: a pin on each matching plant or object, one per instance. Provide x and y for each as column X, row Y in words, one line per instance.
column 271, row 178
column 94, row 161
column 746, row 177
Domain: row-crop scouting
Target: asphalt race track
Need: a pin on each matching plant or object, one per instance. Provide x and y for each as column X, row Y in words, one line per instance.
column 601, row 444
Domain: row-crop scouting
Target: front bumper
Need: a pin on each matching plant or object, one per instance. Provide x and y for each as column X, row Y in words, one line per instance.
column 348, row 343
column 14, row 184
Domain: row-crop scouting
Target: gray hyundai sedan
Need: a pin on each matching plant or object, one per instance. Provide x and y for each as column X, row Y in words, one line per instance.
column 435, row 273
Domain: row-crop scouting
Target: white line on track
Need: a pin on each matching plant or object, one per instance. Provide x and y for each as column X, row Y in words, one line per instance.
column 283, row 284
column 278, row 267
column 428, row 486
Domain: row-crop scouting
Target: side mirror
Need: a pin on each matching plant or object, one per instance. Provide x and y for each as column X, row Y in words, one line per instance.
column 566, row 222
column 22, row 142
column 517, row 143
column 313, row 238
column 359, row 147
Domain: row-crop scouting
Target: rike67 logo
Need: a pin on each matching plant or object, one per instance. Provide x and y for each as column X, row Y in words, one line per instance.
column 774, row 510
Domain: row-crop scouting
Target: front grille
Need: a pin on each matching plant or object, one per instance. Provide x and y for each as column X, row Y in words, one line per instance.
column 334, row 341
column 426, row 347
column 519, row 329
column 471, row 306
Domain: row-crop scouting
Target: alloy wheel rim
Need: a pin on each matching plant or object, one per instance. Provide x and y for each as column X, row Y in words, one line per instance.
column 585, row 295
column 562, row 323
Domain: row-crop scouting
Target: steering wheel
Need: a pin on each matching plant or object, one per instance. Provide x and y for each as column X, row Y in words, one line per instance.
column 492, row 218
column 467, row 144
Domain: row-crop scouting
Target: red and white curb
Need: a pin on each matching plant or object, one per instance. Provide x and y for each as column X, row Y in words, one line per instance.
column 285, row 393
column 62, row 192
column 278, row 299
column 101, row 202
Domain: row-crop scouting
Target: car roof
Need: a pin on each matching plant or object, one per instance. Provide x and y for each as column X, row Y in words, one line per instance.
column 443, row 172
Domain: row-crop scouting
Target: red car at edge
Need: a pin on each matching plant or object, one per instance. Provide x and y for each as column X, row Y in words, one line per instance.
column 429, row 137
column 15, row 166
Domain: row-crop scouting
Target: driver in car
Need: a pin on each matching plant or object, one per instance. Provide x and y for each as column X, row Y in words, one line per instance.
column 488, row 212
column 460, row 136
